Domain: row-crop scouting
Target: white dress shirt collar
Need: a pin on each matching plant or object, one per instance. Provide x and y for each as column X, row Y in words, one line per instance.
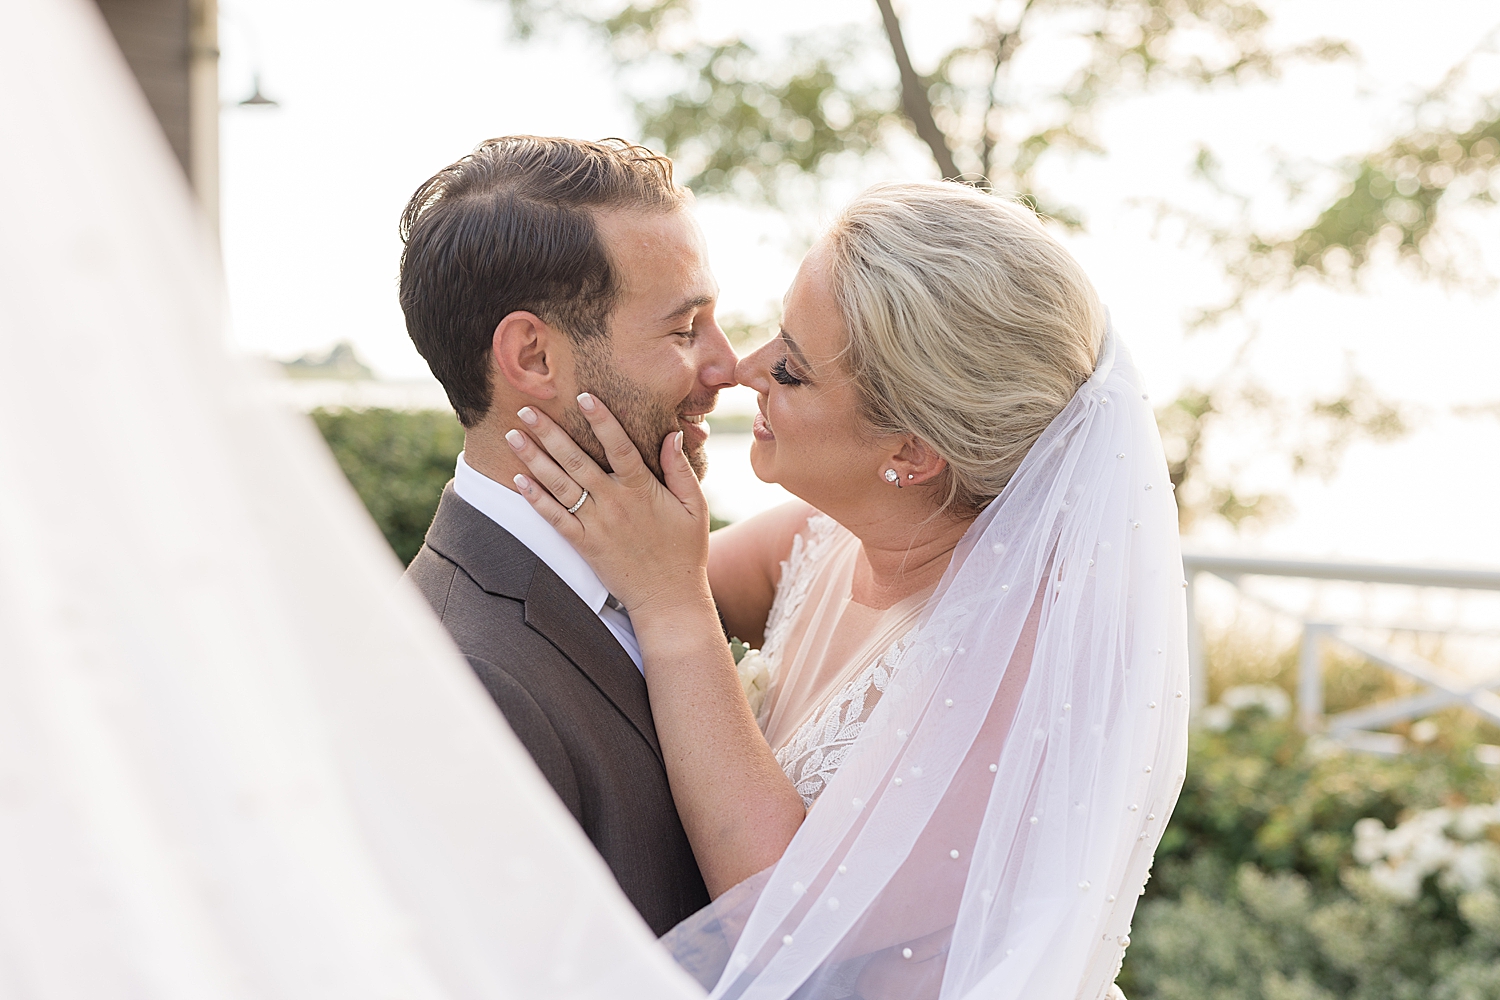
column 510, row 510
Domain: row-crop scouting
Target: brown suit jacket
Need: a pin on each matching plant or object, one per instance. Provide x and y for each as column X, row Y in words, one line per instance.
column 572, row 695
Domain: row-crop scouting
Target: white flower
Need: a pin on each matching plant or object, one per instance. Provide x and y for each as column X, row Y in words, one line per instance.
column 1267, row 697
column 1473, row 822
column 1452, row 844
column 1369, row 841
column 1472, row 866
column 1217, row 718
column 755, row 677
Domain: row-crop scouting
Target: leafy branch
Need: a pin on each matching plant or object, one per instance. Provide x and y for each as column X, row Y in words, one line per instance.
column 753, row 121
column 1392, row 202
column 1312, row 435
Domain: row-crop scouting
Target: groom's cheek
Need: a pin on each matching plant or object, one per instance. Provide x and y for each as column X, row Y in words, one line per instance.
column 582, row 434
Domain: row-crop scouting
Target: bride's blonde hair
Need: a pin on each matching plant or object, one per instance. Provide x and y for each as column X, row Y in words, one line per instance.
column 969, row 325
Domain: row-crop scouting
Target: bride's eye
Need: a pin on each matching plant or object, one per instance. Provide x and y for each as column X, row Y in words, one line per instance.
column 780, row 374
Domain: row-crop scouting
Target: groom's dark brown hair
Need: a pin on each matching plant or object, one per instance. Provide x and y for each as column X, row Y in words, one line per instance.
column 511, row 227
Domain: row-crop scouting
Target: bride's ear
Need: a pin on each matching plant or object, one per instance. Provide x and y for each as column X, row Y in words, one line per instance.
column 526, row 351
column 917, row 463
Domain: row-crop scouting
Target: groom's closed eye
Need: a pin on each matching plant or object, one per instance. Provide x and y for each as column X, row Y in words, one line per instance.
column 686, row 315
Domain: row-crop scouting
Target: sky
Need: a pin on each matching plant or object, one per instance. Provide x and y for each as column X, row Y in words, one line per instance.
column 374, row 98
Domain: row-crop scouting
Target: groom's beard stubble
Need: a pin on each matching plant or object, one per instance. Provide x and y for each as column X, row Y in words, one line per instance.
column 646, row 420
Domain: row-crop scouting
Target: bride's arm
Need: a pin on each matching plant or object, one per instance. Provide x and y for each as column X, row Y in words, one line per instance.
column 744, row 566
column 649, row 545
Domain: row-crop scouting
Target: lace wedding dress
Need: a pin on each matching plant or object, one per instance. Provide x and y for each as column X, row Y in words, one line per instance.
column 830, row 658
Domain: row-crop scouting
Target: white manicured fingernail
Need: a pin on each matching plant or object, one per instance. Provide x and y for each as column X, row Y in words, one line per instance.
column 522, row 483
column 586, row 401
column 516, row 439
column 527, row 414
column 679, row 442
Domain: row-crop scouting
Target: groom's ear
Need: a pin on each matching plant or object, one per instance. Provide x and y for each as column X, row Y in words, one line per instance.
column 527, row 353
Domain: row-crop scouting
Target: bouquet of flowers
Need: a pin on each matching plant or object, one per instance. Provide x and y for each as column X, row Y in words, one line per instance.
column 755, row 674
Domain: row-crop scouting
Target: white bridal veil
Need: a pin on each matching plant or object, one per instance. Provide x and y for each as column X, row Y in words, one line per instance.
column 237, row 758
column 993, row 825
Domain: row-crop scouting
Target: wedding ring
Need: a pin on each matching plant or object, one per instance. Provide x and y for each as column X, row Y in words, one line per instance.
column 574, row 509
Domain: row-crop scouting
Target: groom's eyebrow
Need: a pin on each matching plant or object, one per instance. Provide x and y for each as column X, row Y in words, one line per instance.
column 691, row 305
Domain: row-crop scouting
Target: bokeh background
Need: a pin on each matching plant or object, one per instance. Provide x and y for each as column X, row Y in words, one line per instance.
column 1288, row 206
column 1189, row 146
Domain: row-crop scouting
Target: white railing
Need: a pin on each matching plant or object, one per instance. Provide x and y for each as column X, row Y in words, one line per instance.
column 1440, row 687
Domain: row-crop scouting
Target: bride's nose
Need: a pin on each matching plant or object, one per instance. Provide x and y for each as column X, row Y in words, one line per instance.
column 754, row 369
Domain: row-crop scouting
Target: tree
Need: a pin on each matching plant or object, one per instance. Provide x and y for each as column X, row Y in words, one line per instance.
column 752, row 120
column 764, row 119
column 1392, row 203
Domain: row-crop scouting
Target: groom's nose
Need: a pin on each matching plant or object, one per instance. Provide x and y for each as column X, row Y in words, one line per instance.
column 716, row 358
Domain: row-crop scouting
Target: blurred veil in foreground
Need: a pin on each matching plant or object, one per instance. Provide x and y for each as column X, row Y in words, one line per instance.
column 237, row 757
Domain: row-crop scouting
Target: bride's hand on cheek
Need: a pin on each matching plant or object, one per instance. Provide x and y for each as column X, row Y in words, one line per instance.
column 647, row 542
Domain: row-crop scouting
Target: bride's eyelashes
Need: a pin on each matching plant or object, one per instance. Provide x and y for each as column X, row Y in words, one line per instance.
column 780, row 374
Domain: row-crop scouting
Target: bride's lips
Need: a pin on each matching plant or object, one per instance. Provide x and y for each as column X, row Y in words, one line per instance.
column 761, row 429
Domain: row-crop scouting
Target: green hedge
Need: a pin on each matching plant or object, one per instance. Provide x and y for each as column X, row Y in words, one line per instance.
column 397, row 462
column 1258, row 893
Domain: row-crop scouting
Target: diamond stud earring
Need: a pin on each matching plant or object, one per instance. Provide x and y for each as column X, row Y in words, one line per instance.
column 892, row 476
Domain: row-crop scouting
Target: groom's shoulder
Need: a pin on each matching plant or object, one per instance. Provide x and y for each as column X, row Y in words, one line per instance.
column 433, row 575
column 467, row 557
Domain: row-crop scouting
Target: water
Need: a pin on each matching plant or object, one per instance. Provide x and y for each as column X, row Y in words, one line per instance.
column 731, row 487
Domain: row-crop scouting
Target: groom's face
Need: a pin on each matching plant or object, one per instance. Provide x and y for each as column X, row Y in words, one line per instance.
column 665, row 359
